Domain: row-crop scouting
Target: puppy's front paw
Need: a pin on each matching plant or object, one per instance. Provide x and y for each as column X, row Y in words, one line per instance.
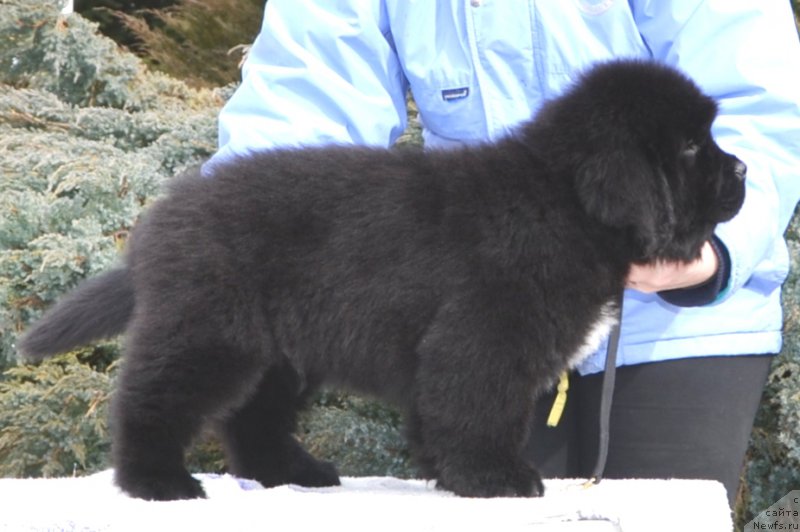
column 521, row 481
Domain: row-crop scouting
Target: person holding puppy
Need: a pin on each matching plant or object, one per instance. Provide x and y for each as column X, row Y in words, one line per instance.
column 697, row 337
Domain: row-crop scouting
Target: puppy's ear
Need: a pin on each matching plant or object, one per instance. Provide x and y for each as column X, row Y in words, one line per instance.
column 620, row 189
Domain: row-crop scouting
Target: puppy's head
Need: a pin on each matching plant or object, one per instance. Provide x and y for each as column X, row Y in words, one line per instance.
column 636, row 137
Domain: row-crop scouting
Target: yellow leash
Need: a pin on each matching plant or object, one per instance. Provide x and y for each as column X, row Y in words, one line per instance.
column 560, row 401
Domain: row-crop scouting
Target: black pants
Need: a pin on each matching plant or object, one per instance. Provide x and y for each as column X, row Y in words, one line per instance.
column 688, row 418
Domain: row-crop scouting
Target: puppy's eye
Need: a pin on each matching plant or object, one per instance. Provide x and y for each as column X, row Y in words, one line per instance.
column 691, row 148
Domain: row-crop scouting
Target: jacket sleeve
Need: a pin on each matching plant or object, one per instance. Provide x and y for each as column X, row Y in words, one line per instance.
column 319, row 72
column 746, row 55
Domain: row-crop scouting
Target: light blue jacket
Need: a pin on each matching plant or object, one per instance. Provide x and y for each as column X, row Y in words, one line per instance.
column 325, row 71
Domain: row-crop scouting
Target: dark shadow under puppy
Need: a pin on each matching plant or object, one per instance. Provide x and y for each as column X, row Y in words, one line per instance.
column 456, row 285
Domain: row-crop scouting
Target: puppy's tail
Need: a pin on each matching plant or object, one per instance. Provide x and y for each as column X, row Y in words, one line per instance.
column 99, row 308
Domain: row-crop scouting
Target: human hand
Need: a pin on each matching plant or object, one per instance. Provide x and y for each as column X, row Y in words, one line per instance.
column 660, row 276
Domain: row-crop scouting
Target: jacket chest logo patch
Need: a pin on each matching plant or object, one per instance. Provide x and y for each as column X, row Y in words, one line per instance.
column 460, row 93
column 595, row 7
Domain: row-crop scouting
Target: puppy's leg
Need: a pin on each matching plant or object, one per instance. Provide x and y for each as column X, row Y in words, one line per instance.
column 477, row 447
column 474, row 401
column 169, row 385
column 258, row 437
column 425, row 464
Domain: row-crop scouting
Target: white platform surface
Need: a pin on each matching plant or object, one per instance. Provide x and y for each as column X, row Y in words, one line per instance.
column 373, row 504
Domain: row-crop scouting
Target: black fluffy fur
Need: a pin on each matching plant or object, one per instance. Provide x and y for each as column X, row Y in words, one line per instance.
column 456, row 285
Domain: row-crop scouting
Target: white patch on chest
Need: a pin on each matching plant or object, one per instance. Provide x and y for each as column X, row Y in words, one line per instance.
column 598, row 331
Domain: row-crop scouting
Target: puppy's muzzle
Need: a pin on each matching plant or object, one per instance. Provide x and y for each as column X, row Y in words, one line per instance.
column 740, row 170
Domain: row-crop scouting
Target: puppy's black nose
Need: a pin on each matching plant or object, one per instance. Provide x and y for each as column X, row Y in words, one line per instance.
column 740, row 170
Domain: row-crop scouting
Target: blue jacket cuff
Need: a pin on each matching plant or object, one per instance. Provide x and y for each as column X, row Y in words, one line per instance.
column 708, row 292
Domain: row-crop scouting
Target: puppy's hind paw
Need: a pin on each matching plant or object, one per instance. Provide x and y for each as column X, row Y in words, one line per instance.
column 315, row 473
column 160, row 486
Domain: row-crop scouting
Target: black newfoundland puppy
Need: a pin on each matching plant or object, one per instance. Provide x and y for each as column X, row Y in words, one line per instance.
column 457, row 285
